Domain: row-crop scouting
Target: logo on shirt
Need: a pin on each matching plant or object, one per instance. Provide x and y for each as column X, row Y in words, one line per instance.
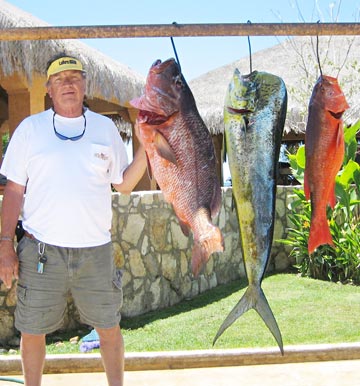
column 101, row 156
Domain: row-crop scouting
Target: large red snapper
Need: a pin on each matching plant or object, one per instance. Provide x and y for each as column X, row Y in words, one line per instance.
column 181, row 156
column 324, row 152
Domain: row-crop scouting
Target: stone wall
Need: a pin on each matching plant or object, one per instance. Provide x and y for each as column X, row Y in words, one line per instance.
column 155, row 256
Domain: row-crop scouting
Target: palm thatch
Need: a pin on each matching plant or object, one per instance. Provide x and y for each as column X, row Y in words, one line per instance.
column 106, row 78
column 295, row 61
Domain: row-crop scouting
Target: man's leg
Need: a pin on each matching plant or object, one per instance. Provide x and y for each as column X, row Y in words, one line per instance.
column 112, row 353
column 32, row 349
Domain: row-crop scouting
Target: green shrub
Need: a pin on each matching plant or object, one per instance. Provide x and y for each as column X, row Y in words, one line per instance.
column 341, row 262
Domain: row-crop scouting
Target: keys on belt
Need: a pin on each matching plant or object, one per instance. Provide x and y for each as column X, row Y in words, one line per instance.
column 42, row 258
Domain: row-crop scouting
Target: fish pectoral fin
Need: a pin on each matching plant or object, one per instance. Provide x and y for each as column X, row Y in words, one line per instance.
column 340, row 136
column 149, row 170
column 164, row 149
column 224, row 149
column 253, row 297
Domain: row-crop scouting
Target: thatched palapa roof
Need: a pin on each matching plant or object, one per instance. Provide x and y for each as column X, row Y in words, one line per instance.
column 295, row 61
column 106, row 78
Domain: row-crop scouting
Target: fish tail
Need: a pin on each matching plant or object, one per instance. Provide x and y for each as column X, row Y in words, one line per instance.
column 254, row 297
column 319, row 234
column 203, row 248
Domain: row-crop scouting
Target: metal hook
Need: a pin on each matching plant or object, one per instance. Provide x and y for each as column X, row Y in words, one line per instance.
column 317, row 52
column 174, row 48
column 250, row 55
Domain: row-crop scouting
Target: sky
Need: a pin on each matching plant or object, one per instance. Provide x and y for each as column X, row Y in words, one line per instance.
column 197, row 55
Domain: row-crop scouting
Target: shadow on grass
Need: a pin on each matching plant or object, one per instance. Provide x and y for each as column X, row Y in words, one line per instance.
column 201, row 300
column 131, row 323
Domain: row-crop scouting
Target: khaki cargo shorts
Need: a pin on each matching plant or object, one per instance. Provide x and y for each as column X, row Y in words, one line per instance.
column 89, row 274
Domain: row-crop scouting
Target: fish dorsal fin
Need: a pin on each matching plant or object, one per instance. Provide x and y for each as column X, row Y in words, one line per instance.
column 163, row 148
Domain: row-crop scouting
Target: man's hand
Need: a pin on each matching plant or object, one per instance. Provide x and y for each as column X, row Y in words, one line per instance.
column 9, row 263
column 10, row 212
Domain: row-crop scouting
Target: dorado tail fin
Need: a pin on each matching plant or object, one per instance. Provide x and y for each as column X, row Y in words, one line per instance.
column 254, row 297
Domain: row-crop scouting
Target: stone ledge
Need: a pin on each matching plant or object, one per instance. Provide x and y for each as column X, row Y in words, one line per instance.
column 88, row 363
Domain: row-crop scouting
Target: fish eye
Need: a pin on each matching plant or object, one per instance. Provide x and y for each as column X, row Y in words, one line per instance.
column 178, row 80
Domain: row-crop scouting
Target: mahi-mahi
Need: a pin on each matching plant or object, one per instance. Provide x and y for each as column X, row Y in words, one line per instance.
column 254, row 117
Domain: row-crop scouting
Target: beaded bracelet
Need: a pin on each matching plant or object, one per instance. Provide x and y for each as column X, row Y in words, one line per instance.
column 6, row 238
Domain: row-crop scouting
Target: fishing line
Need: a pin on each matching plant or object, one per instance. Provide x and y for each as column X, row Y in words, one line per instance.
column 249, row 44
column 317, row 52
column 174, row 48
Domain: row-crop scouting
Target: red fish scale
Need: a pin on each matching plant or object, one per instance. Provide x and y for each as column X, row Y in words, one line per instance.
column 181, row 155
column 324, row 149
column 189, row 185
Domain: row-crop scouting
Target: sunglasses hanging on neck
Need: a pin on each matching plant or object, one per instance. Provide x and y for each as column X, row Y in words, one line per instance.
column 64, row 137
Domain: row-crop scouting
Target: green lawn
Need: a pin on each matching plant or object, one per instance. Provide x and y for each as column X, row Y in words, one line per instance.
column 307, row 311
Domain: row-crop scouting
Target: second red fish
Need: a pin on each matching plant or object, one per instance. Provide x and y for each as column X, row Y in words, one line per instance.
column 324, row 151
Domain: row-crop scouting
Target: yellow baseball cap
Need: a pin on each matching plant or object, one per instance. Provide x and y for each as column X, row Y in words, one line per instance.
column 63, row 64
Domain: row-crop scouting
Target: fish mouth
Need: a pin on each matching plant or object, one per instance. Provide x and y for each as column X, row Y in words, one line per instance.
column 233, row 110
column 151, row 118
column 336, row 115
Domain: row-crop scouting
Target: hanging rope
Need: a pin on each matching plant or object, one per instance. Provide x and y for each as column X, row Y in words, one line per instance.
column 250, row 54
column 317, row 53
column 174, row 48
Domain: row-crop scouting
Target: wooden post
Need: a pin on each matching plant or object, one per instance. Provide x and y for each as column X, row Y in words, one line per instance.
column 170, row 30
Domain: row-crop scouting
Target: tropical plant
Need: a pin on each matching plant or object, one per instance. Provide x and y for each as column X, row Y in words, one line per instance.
column 341, row 262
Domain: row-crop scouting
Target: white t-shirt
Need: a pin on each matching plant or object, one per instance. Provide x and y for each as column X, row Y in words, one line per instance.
column 68, row 183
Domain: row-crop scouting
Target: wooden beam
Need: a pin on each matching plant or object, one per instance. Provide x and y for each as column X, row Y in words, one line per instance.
column 168, row 30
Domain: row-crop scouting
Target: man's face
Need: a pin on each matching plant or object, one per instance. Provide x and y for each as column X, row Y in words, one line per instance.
column 67, row 89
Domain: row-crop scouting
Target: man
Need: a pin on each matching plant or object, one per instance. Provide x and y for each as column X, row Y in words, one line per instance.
column 66, row 158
